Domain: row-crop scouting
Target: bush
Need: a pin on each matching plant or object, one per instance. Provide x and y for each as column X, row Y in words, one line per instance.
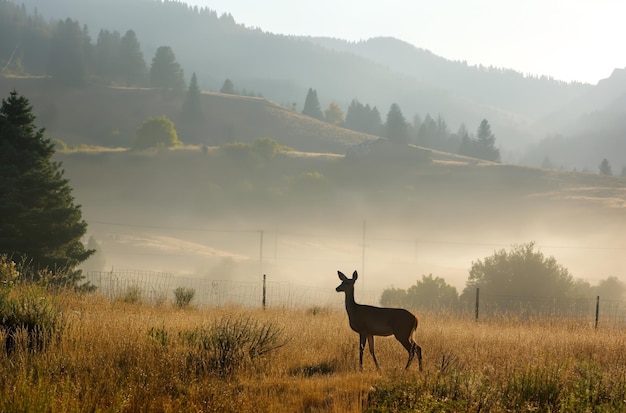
column 29, row 318
column 183, row 296
column 229, row 345
column 132, row 295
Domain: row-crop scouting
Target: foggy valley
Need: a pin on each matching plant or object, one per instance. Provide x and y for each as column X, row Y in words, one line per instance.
column 308, row 210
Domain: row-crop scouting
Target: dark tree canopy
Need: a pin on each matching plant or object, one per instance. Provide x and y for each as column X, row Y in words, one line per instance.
column 312, row 106
column 165, row 72
column 39, row 223
column 228, row 87
column 192, row 106
column 363, row 118
column 132, row 64
column 430, row 292
column 605, row 168
column 69, row 53
column 481, row 147
column 396, row 126
column 520, row 272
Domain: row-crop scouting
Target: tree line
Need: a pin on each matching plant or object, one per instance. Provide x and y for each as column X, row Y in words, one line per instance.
column 523, row 272
column 427, row 132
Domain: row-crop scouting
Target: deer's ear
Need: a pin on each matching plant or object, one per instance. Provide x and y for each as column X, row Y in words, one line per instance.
column 342, row 277
column 355, row 275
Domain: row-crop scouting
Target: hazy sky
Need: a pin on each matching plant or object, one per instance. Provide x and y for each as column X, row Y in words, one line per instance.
column 581, row 40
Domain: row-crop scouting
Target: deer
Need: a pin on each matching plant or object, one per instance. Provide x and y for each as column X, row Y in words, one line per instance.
column 370, row 321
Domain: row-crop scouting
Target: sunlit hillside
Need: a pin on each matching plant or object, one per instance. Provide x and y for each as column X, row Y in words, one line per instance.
column 109, row 116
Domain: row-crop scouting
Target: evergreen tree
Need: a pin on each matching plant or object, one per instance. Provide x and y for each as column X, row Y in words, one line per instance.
column 192, row 106
column 228, row 87
column 605, row 168
column 134, row 71
column 69, row 54
column 165, row 72
column 396, row 126
column 427, row 133
column 485, row 143
column 375, row 123
column 106, row 57
column 40, row 225
column 312, row 105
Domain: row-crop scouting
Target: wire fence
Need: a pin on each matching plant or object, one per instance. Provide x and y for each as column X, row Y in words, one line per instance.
column 158, row 287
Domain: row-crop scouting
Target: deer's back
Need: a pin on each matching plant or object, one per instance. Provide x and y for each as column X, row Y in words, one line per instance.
column 381, row 321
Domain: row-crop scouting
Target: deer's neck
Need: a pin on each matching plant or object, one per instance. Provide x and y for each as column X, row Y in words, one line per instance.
column 350, row 303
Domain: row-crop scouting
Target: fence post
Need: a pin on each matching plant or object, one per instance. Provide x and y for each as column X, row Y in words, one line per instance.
column 597, row 310
column 477, row 302
column 263, row 302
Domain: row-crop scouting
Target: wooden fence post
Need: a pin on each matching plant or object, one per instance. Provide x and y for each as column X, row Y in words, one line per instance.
column 263, row 302
column 597, row 310
column 477, row 302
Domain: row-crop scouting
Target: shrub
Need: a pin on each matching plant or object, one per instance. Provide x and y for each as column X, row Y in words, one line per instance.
column 9, row 273
column 28, row 316
column 132, row 294
column 229, row 344
column 183, row 296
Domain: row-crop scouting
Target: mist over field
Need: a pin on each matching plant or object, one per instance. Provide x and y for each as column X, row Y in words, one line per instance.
column 333, row 193
column 437, row 219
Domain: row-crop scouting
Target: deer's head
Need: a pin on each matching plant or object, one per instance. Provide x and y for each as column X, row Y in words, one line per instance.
column 347, row 284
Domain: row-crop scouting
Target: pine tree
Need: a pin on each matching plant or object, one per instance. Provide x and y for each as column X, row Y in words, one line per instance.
column 192, row 106
column 312, row 105
column 485, row 143
column 40, row 226
column 396, row 126
column 132, row 64
column 69, row 54
column 605, row 168
column 165, row 72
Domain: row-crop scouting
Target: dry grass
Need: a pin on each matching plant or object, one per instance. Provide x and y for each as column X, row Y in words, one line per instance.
column 108, row 360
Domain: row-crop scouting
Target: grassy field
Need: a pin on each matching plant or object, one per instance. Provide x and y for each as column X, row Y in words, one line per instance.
column 133, row 357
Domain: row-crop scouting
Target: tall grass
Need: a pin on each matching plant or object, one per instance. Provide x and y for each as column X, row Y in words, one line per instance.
column 113, row 355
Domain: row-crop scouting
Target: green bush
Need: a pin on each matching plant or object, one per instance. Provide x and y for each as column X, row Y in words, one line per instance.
column 183, row 296
column 132, row 295
column 29, row 318
column 230, row 344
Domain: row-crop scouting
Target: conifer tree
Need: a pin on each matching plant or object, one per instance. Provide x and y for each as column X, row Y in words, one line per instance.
column 485, row 143
column 396, row 125
column 40, row 226
column 165, row 72
column 192, row 106
column 132, row 64
column 312, row 106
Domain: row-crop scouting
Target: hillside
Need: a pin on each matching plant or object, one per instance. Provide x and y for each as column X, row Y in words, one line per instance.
column 522, row 110
column 283, row 68
column 109, row 116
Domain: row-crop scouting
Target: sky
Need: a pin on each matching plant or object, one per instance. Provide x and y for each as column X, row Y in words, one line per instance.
column 570, row 40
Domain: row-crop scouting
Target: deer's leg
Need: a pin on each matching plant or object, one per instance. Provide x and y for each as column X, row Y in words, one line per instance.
column 418, row 350
column 370, row 340
column 362, row 338
column 412, row 348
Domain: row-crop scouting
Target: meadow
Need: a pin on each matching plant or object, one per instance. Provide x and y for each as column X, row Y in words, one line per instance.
column 122, row 355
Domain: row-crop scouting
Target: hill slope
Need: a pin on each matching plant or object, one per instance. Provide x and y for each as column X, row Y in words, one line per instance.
column 109, row 116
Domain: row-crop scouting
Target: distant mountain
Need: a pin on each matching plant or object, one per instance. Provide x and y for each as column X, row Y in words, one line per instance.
column 520, row 109
column 504, row 88
column 587, row 130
